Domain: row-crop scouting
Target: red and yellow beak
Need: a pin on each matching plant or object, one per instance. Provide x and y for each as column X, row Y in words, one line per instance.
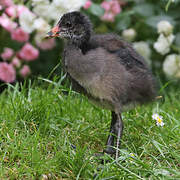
column 54, row 32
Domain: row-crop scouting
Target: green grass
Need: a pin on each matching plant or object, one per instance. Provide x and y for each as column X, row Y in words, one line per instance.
column 38, row 125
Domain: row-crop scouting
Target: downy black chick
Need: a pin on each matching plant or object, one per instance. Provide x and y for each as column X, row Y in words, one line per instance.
column 106, row 69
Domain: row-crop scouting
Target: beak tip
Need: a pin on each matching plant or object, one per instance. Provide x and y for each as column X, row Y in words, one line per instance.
column 49, row 34
column 54, row 32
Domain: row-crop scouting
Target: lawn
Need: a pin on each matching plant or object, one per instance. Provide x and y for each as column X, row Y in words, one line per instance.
column 50, row 132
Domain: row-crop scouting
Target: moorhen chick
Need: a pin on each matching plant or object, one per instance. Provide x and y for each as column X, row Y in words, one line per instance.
column 106, row 69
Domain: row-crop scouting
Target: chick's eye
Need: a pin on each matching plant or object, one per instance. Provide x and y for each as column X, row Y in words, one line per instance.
column 68, row 24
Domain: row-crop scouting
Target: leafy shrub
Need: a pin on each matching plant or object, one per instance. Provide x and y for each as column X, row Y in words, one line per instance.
column 151, row 26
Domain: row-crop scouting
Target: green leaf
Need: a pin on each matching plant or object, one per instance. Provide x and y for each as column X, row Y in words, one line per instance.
column 177, row 40
column 168, row 4
column 163, row 172
column 96, row 10
column 123, row 22
column 144, row 9
column 153, row 21
column 157, row 145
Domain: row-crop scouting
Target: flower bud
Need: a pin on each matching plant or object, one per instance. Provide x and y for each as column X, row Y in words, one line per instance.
column 129, row 34
column 163, row 44
column 164, row 27
column 143, row 49
column 171, row 66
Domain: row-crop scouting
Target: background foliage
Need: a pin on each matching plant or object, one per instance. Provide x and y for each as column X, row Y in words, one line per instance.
column 48, row 131
column 140, row 15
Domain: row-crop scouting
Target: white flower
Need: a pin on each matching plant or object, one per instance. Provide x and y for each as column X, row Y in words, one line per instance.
column 43, row 10
column 159, row 119
column 36, row 2
column 164, row 27
column 171, row 66
column 70, row 5
column 39, row 37
column 163, row 43
column 170, row 38
column 58, row 7
column 26, row 21
column 156, row 116
column 55, row 12
column 143, row 49
column 41, row 25
column 129, row 34
column 75, row 5
column 132, row 155
column 159, row 123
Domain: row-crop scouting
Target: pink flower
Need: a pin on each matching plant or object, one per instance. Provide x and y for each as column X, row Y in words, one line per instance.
column 28, row 52
column 11, row 11
column 46, row 44
column 106, row 5
column 112, row 8
column 25, row 71
column 1, row 7
column 115, row 7
column 16, row 62
column 87, row 4
column 6, row 3
column 6, row 23
column 7, row 72
column 108, row 16
column 20, row 9
column 19, row 35
column 7, row 53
